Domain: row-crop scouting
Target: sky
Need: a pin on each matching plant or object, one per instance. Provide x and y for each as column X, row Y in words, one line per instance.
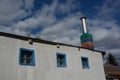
column 59, row 21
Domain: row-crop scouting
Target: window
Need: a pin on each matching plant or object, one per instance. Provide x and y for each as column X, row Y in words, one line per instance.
column 26, row 57
column 61, row 60
column 85, row 63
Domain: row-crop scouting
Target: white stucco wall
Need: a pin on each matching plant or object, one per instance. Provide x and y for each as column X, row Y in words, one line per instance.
column 45, row 60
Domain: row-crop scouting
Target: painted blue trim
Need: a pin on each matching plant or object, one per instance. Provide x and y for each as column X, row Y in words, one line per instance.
column 64, row 60
column 86, row 62
column 33, row 57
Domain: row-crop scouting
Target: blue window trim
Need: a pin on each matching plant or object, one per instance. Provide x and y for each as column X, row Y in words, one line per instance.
column 33, row 57
column 65, row 61
column 87, row 62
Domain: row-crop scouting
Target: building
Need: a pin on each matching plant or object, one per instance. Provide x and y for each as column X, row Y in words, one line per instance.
column 112, row 72
column 26, row 58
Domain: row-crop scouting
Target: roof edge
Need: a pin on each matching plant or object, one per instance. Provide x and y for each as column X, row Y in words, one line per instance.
column 43, row 41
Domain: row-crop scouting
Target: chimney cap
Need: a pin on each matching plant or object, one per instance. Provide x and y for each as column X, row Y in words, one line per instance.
column 82, row 17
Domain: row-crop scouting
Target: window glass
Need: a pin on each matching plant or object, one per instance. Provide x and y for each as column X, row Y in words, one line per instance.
column 85, row 63
column 26, row 57
column 61, row 60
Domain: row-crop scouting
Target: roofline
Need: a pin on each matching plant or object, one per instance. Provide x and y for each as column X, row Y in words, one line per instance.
column 102, row 52
column 43, row 41
column 34, row 39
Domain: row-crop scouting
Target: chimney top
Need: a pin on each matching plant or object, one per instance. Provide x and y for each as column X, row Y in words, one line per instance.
column 82, row 17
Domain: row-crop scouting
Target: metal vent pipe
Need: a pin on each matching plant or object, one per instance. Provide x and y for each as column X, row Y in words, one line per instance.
column 83, row 20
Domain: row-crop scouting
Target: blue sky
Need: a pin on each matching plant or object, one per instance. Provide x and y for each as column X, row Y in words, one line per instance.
column 59, row 21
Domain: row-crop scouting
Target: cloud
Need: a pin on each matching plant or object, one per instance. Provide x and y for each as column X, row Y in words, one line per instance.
column 52, row 29
column 12, row 10
column 105, row 33
column 109, row 9
column 28, row 4
column 104, row 26
column 59, row 22
column 63, row 30
column 41, row 18
column 68, row 6
column 115, row 53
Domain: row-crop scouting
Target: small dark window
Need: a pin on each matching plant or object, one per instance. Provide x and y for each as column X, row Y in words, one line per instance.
column 61, row 60
column 27, row 57
column 85, row 63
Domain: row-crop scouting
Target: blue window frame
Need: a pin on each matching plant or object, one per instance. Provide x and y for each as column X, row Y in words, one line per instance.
column 26, row 57
column 61, row 60
column 85, row 63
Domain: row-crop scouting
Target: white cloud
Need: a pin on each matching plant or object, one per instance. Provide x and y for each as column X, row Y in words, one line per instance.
column 28, row 4
column 105, row 33
column 67, row 6
column 43, row 18
column 11, row 10
column 116, row 51
column 109, row 9
column 66, row 29
column 12, row 31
